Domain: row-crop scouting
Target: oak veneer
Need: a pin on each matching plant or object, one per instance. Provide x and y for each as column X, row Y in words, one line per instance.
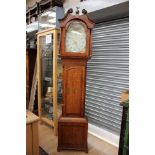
column 73, row 125
column 73, row 134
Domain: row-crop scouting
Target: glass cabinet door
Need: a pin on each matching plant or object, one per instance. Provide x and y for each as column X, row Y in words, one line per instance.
column 46, row 75
column 47, row 70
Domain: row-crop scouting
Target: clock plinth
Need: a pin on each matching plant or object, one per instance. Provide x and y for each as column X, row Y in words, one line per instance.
column 75, row 52
column 72, row 134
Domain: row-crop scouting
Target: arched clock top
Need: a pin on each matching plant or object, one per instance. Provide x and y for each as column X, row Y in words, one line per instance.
column 69, row 17
column 76, row 35
column 76, row 20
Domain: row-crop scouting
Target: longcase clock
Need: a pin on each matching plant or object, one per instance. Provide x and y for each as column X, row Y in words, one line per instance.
column 76, row 32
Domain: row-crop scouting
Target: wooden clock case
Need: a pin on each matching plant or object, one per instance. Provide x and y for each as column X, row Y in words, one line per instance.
column 72, row 124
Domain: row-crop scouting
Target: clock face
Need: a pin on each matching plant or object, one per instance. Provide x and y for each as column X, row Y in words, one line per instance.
column 75, row 38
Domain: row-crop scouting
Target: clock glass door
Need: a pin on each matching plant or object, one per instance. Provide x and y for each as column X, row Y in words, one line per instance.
column 75, row 38
column 46, row 57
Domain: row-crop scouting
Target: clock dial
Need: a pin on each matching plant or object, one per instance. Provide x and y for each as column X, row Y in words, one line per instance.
column 75, row 38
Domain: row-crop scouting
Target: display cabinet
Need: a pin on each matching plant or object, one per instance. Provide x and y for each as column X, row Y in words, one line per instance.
column 47, row 55
column 49, row 18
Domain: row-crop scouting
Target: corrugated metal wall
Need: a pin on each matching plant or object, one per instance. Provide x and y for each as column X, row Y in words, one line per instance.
column 107, row 74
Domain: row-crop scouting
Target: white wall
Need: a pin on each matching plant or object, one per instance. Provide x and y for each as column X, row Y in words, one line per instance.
column 90, row 5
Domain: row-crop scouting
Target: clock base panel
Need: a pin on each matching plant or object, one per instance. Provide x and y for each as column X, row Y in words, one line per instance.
column 72, row 134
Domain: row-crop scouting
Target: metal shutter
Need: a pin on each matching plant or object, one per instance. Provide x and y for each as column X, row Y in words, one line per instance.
column 107, row 74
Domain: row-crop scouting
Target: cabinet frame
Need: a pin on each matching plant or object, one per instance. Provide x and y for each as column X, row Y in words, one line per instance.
column 55, row 32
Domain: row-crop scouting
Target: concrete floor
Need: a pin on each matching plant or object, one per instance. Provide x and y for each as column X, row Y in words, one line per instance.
column 96, row 146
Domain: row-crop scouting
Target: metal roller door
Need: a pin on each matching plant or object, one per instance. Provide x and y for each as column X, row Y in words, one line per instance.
column 107, row 74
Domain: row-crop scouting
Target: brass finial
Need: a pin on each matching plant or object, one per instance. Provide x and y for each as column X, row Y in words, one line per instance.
column 70, row 10
column 77, row 11
column 84, row 11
